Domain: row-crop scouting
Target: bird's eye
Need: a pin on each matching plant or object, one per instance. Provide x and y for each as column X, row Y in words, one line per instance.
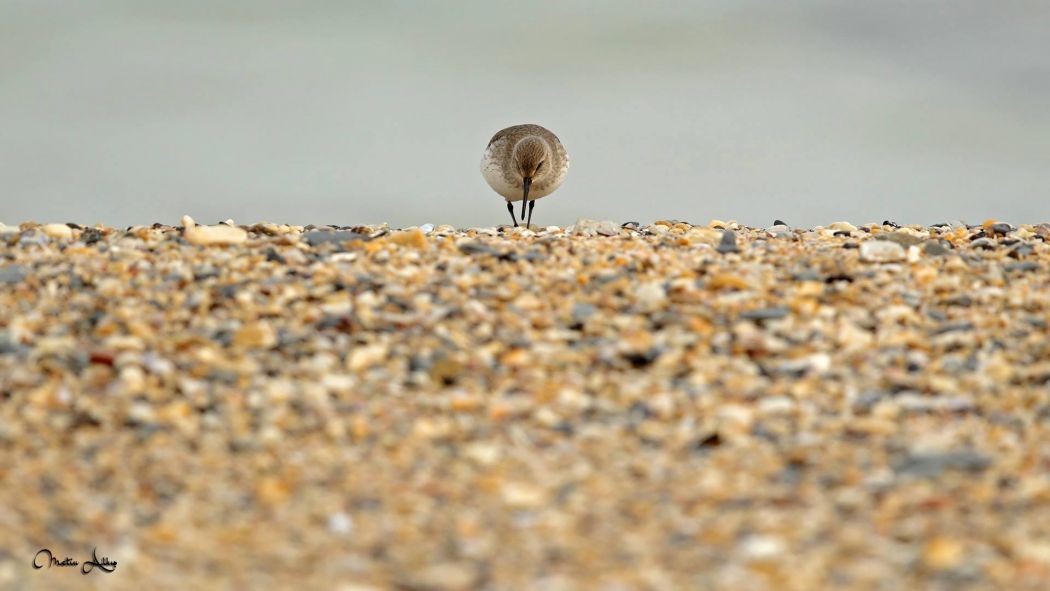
column 540, row 165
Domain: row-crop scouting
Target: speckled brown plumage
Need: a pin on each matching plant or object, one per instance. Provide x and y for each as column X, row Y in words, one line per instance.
column 523, row 152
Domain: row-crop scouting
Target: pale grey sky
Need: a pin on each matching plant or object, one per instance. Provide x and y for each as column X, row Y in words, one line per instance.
column 128, row 111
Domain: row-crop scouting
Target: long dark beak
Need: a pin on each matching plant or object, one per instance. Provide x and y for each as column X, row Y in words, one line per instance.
column 526, row 182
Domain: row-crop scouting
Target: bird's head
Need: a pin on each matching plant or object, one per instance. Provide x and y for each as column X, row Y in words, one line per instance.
column 532, row 158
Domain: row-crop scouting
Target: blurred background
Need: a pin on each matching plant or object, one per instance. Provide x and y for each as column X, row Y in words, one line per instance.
column 327, row 111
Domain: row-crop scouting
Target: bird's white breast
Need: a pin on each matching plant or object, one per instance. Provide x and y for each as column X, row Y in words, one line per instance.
column 493, row 173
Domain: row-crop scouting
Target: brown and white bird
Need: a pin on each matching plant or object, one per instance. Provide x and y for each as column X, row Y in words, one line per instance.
column 524, row 163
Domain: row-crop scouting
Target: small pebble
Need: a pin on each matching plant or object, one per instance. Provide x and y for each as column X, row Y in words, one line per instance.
column 10, row 274
column 319, row 237
column 1022, row 266
column 212, row 235
column 935, row 248
column 58, row 231
column 879, row 251
column 934, row 464
column 727, row 243
column 340, row 523
column 1000, row 228
column 902, row 238
column 585, row 227
column 765, row 314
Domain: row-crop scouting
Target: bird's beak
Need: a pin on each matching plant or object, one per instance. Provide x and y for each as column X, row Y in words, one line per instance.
column 526, row 183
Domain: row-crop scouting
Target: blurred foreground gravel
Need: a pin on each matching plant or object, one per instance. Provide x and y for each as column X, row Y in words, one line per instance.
column 664, row 406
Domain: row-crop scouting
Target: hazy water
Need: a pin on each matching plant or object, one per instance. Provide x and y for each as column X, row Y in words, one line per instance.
column 340, row 112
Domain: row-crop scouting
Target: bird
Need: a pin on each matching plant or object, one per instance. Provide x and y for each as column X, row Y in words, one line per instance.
column 524, row 163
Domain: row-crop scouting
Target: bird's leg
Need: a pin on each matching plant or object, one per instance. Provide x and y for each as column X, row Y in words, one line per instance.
column 510, row 208
column 532, row 206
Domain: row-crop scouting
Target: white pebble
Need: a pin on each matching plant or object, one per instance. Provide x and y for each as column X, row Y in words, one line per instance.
column 761, row 547
column 776, row 405
column 340, row 523
column 881, row 251
column 651, row 295
column 205, row 235
column 57, row 231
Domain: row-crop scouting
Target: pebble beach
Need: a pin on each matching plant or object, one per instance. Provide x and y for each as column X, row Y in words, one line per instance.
column 601, row 406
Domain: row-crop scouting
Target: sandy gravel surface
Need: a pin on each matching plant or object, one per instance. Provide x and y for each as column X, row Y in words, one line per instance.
column 664, row 406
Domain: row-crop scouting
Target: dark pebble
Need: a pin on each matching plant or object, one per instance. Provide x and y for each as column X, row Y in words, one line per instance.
column 223, row 337
column 983, row 243
column 807, row 275
column 765, row 314
column 1021, row 250
column 640, row 359
column 728, row 242
column 952, row 327
column 935, row 248
column 205, row 273
column 937, row 315
column 229, row 291
column 607, row 278
column 102, row 358
column 338, row 323
column 535, row 256
column 419, row 363
column 934, row 464
column 477, row 248
column 13, row 274
column 582, row 311
column 223, row 376
column 318, row 237
column 273, row 257
column 639, row 411
column 91, row 236
column 1022, row 267
column 661, row 320
column 867, row 400
column 1036, row 321
column 9, row 346
column 779, row 223
column 712, row 440
column 1001, row 228
column 964, row 301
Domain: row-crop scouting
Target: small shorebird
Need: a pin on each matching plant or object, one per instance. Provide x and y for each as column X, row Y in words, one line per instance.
column 524, row 163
